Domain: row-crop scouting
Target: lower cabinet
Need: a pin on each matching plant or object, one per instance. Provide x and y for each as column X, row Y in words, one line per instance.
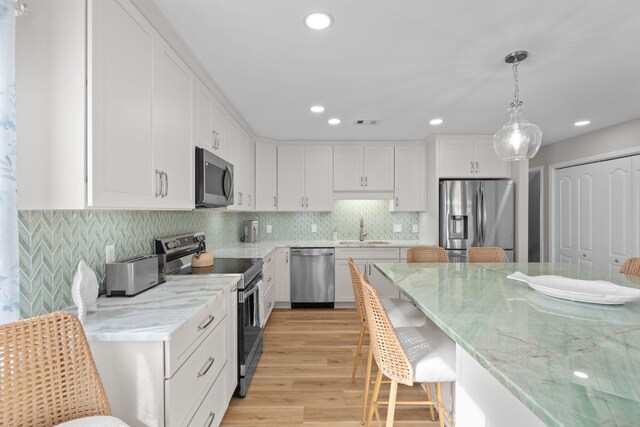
column 283, row 278
column 365, row 260
column 268, row 281
column 187, row 380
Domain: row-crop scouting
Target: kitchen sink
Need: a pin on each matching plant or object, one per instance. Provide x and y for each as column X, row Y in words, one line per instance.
column 363, row 243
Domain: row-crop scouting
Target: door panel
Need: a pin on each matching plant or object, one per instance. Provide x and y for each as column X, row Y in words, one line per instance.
column 587, row 233
column 489, row 165
column 266, row 177
column 378, row 168
column 617, row 208
column 291, row 178
column 344, row 287
column 635, row 188
column 318, row 181
column 348, row 168
column 410, row 179
column 456, row 159
column 204, row 117
column 458, row 214
column 498, row 216
column 566, row 250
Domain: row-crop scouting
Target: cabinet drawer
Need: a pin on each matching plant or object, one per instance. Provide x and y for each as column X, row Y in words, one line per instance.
column 213, row 406
column 269, row 260
column 195, row 376
column 367, row 253
column 268, row 276
column 269, row 298
column 191, row 333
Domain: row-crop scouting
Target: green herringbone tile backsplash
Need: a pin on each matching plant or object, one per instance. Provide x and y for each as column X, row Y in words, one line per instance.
column 53, row 242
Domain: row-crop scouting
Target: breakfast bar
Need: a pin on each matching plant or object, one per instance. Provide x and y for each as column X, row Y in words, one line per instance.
column 526, row 356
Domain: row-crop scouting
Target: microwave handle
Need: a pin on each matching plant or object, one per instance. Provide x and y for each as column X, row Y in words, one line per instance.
column 228, row 182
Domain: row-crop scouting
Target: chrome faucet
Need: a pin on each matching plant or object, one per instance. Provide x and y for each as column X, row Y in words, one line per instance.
column 362, row 233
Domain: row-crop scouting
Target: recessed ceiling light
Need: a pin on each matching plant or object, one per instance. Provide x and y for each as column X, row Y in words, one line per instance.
column 580, row 374
column 317, row 109
column 334, row 121
column 318, row 20
column 582, row 123
column 436, row 122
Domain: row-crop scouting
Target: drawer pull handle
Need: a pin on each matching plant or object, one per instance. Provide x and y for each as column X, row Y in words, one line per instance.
column 269, row 306
column 269, row 279
column 206, row 322
column 210, row 418
column 207, row 365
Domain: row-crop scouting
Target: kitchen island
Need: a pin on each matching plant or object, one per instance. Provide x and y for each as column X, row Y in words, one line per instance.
column 566, row 363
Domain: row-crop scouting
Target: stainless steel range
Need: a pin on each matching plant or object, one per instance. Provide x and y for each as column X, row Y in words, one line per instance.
column 179, row 250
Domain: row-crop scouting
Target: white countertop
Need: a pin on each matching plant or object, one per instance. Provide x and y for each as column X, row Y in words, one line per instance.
column 156, row 313
column 261, row 249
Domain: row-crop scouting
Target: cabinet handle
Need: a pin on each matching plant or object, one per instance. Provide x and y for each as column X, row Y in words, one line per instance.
column 209, row 420
column 249, row 204
column 303, row 201
column 275, row 202
column 287, row 260
column 617, row 261
column 206, row 322
column 205, row 368
column 166, row 187
column 361, row 181
column 307, row 204
column 269, row 279
column 269, row 260
column 366, row 181
column 269, row 306
column 158, row 183
column 584, row 255
column 477, row 167
column 396, row 202
column 471, row 167
column 240, row 194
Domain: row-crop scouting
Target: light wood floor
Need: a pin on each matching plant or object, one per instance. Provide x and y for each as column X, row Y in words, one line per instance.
column 304, row 376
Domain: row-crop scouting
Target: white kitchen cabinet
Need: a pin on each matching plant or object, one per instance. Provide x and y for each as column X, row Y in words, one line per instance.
column 266, row 176
column 593, row 214
column 248, row 162
column 305, row 178
column 410, row 179
column 173, row 152
column 283, row 277
column 232, row 343
column 129, row 135
column 470, row 156
column 205, row 137
column 365, row 258
column 344, row 287
column 220, row 131
column 241, row 155
column 363, row 168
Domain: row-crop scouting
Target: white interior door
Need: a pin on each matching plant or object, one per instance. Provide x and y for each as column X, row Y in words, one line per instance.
column 616, row 201
column 291, row 178
column 319, row 178
column 588, row 204
column 565, row 223
column 378, row 167
column 348, row 163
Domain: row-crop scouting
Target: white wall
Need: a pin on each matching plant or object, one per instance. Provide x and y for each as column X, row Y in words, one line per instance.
column 613, row 141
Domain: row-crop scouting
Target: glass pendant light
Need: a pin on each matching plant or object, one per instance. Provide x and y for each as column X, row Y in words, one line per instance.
column 518, row 139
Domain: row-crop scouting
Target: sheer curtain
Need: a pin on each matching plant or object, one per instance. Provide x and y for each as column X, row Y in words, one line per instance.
column 9, row 286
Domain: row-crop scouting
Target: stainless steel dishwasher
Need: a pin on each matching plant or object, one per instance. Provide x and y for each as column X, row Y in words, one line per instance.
column 312, row 277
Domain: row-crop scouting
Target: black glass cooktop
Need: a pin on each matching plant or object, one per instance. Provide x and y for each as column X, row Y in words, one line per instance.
column 222, row 266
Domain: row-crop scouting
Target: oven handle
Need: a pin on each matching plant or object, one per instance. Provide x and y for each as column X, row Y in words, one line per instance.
column 242, row 296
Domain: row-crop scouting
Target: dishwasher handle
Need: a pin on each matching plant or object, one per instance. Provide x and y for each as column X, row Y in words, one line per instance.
column 311, row 255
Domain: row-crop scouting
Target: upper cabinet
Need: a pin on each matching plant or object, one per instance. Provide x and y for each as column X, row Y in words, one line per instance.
column 304, row 178
column 410, row 178
column 266, row 177
column 211, row 122
column 468, row 156
column 241, row 155
column 363, row 168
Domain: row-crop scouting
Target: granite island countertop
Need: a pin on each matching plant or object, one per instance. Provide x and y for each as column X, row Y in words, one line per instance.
column 261, row 249
column 155, row 314
column 534, row 344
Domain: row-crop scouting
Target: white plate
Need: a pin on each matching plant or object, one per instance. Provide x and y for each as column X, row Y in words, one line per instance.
column 593, row 291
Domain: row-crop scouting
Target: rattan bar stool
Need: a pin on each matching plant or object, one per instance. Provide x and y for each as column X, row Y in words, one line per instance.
column 405, row 356
column 631, row 266
column 427, row 254
column 486, row 254
column 401, row 313
column 48, row 376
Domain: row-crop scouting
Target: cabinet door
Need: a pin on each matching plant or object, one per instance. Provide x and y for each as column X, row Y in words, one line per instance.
column 235, row 153
column 378, row 167
column 283, row 276
column 220, row 129
column 319, row 174
column 636, row 200
column 410, row 179
column 173, row 120
column 456, row 158
column 488, row 164
column 231, row 370
column 120, row 122
column 617, row 212
column 382, row 285
column 205, row 138
column 291, row 178
column 344, row 287
column 250, row 170
column 348, row 163
column 266, row 177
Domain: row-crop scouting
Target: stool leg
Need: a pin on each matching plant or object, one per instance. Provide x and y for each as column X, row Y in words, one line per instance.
column 358, row 352
column 367, row 384
column 391, row 409
column 374, row 398
column 430, row 397
column 440, row 405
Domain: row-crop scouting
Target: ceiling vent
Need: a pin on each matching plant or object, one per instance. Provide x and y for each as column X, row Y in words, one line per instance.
column 366, row 122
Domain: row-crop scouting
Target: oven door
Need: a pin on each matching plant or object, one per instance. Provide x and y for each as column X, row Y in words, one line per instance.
column 214, row 180
column 249, row 333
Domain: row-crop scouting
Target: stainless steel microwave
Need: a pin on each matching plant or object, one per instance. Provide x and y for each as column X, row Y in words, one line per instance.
column 214, row 180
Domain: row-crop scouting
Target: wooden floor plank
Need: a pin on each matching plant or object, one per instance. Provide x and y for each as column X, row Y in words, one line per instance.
column 304, row 376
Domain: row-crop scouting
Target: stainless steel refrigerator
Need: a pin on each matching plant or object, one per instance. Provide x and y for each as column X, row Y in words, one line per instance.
column 477, row 213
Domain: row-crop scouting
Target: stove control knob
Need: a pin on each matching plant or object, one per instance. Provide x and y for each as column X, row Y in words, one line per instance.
column 170, row 245
column 177, row 242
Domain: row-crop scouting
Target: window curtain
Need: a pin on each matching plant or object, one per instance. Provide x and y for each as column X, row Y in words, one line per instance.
column 9, row 285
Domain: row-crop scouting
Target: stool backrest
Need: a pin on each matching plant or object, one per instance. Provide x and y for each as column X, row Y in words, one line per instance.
column 487, row 254
column 357, row 290
column 427, row 254
column 389, row 354
column 47, row 373
column 631, row 266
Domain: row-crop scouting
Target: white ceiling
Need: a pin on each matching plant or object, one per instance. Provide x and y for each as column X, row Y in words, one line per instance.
column 408, row 61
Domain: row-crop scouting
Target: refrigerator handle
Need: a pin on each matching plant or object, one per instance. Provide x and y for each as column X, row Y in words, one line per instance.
column 476, row 218
column 484, row 215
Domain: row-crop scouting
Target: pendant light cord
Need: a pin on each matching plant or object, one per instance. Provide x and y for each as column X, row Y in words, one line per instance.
column 516, row 92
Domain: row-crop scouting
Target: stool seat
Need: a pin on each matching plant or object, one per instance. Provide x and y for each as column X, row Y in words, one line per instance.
column 431, row 352
column 403, row 313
